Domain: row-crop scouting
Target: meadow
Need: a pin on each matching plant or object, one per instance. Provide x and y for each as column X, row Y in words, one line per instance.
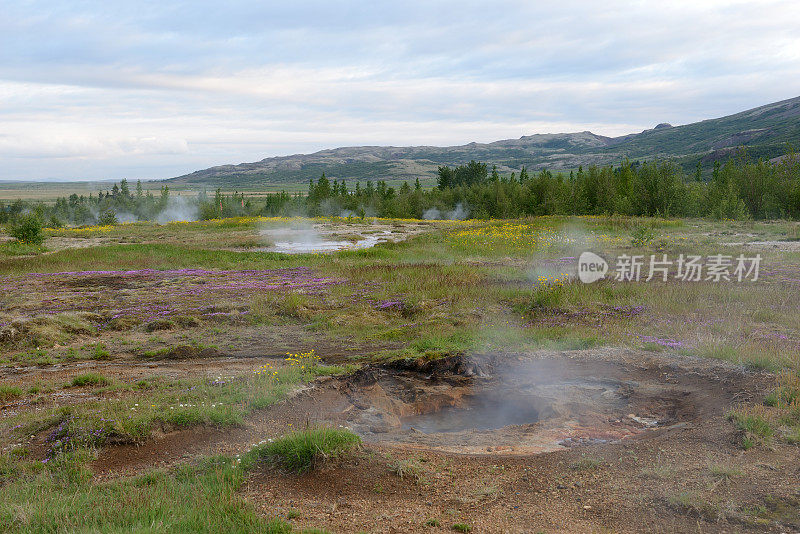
column 114, row 336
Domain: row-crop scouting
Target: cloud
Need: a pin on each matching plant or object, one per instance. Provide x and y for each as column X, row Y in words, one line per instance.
column 62, row 145
column 155, row 89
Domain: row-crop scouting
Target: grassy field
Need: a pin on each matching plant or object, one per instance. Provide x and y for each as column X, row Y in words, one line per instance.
column 48, row 192
column 138, row 293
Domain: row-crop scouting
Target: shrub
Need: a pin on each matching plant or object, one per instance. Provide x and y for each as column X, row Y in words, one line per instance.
column 301, row 450
column 27, row 229
column 107, row 218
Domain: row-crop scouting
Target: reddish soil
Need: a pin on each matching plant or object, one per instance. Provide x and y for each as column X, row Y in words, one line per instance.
column 553, row 492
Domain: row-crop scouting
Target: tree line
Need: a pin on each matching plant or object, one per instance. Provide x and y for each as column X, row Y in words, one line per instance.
column 739, row 189
column 119, row 204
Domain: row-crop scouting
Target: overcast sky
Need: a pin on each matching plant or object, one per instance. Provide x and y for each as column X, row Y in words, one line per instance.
column 140, row 89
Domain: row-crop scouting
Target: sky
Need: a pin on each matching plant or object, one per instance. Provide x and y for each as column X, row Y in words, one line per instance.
column 109, row 90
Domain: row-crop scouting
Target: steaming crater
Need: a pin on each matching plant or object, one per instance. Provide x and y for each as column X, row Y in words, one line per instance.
column 522, row 407
column 479, row 412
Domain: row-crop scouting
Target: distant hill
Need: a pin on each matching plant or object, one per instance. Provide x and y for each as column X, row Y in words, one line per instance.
column 765, row 131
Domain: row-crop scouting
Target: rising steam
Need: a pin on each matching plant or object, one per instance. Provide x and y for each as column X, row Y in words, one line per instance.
column 459, row 213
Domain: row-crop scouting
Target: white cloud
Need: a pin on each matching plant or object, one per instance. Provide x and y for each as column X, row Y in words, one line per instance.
column 156, row 89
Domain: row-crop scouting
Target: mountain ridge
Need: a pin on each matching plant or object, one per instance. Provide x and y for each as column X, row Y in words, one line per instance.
column 766, row 131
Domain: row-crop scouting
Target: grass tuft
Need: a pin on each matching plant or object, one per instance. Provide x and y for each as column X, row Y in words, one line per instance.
column 724, row 472
column 757, row 430
column 586, row 464
column 408, row 468
column 89, row 379
column 302, row 450
column 9, row 392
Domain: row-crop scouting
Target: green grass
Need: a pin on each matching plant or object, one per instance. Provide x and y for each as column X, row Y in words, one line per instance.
column 89, row 379
column 60, row 495
column 293, row 305
column 303, row 449
column 16, row 248
column 100, row 352
column 753, row 357
column 756, row 428
column 190, row 499
column 161, row 402
column 8, row 392
column 143, row 256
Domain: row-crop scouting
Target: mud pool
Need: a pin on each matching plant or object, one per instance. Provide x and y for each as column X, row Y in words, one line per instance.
column 481, row 412
column 518, row 406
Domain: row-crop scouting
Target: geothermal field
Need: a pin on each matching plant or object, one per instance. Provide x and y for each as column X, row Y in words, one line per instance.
column 392, row 375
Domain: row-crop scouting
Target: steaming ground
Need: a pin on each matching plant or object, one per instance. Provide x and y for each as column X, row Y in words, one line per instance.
column 485, row 396
column 304, row 236
column 523, row 404
column 613, row 438
column 178, row 209
column 459, row 213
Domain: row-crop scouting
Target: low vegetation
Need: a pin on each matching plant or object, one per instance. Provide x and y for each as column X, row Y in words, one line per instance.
column 27, row 230
column 61, row 497
column 301, row 450
column 8, row 392
column 463, row 286
column 755, row 427
column 408, row 469
column 89, row 379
